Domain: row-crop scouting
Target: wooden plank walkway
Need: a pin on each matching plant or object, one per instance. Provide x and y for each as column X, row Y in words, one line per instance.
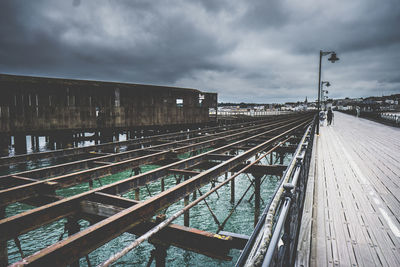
column 355, row 201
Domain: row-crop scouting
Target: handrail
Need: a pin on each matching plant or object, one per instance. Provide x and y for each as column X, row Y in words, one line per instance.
column 267, row 234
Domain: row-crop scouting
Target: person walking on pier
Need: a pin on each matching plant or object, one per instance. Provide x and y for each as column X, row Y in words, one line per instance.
column 321, row 117
column 329, row 116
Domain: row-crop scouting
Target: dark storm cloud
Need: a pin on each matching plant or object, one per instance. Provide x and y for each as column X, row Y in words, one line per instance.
column 256, row 51
column 261, row 14
column 166, row 47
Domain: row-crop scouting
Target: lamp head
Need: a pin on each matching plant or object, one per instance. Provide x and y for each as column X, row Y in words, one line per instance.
column 327, row 84
column 333, row 57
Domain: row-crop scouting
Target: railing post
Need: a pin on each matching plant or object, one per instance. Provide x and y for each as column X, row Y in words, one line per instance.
column 286, row 238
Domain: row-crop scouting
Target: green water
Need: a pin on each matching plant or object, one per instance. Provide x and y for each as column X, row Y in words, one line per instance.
column 241, row 221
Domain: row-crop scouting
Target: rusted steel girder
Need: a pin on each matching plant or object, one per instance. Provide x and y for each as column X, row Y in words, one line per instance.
column 203, row 242
column 78, row 245
column 21, row 223
column 34, row 189
column 110, row 157
column 111, row 145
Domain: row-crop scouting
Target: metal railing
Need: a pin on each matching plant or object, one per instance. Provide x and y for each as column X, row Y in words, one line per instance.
column 250, row 113
column 274, row 239
column 391, row 117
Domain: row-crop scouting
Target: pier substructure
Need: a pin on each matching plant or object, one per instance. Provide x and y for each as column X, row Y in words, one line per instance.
column 20, row 143
column 116, row 214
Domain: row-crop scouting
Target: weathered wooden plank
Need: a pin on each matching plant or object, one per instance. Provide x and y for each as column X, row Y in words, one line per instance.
column 360, row 195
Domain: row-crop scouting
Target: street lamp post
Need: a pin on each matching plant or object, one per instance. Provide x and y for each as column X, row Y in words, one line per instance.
column 332, row 59
column 323, row 92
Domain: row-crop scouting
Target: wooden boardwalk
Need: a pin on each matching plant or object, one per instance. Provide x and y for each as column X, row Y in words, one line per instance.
column 352, row 209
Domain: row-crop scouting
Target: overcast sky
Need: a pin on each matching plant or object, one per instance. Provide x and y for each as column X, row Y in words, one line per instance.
column 247, row 51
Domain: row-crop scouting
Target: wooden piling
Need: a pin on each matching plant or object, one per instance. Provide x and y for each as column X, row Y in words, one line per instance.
column 3, row 244
column 186, row 216
column 233, row 190
column 257, row 187
column 73, row 227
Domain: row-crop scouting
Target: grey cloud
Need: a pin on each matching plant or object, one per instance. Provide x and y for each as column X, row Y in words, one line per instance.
column 256, row 51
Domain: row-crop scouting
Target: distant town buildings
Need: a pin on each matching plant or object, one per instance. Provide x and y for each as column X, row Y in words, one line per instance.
column 383, row 103
column 373, row 103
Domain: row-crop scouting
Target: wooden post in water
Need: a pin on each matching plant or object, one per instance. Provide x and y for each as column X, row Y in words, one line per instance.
column 33, row 142
column 186, row 216
column 4, row 143
column 37, row 143
column 257, row 187
column 20, row 143
column 160, row 252
column 233, row 190
column 137, row 190
column 137, row 194
column 3, row 244
column 73, row 227
column 162, row 185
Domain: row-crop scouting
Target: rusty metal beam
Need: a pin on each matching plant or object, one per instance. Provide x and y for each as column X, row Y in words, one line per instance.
column 88, row 239
column 5, row 161
column 183, row 172
column 19, row 193
column 20, row 223
column 259, row 169
column 203, row 242
column 86, row 163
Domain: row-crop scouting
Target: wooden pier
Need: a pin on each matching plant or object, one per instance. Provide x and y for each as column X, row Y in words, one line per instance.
column 351, row 215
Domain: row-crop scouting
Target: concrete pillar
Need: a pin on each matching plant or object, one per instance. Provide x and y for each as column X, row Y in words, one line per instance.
column 20, row 143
